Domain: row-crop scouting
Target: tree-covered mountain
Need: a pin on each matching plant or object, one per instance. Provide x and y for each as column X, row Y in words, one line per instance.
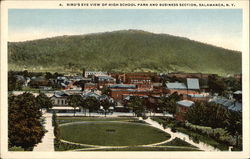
column 123, row 51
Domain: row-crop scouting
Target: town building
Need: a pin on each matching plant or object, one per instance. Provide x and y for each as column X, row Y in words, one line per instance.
column 143, row 80
column 88, row 74
column 60, row 103
column 103, row 81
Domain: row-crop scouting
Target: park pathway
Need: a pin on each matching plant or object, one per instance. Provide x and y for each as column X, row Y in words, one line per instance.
column 47, row 143
column 200, row 145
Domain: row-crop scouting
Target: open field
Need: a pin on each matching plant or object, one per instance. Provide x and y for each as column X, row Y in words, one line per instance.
column 112, row 134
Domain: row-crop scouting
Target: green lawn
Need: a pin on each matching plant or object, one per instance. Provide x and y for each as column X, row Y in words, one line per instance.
column 60, row 146
column 62, row 120
column 178, row 142
column 112, row 134
column 146, row 149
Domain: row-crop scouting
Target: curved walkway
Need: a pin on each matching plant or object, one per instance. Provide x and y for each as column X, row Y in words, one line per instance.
column 47, row 143
column 200, row 145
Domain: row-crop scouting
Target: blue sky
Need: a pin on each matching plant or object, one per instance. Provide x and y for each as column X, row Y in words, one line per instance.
column 218, row 27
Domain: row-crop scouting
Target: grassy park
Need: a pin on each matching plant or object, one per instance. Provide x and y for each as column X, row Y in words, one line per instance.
column 112, row 134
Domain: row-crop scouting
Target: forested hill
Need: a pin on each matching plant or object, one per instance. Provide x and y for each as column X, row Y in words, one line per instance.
column 124, row 51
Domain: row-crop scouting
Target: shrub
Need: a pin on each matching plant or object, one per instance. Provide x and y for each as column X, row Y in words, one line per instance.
column 16, row 148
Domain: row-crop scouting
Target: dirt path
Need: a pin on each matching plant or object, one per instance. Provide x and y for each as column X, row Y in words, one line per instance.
column 47, row 143
column 200, row 145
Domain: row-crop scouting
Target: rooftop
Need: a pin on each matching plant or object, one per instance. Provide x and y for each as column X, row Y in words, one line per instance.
column 185, row 103
column 176, row 85
column 193, row 83
column 122, row 86
column 230, row 104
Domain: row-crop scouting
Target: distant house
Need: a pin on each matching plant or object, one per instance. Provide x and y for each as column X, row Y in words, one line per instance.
column 60, row 103
column 60, row 98
column 182, row 108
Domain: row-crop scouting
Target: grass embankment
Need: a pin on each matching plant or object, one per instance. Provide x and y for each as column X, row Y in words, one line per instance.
column 112, row 134
column 61, row 146
column 178, row 142
column 196, row 137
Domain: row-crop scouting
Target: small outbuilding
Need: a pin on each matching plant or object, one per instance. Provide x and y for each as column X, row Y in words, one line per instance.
column 182, row 108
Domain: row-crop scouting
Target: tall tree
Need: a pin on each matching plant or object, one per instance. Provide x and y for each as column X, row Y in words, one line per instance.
column 106, row 104
column 168, row 104
column 208, row 114
column 13, row 82
column 74, row 100
column 137, row 105
column 44, row 101
column 92, row 104
column 24, row 126
column 216, row 84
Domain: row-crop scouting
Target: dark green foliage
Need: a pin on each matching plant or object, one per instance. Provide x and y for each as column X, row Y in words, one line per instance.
column 105, row 91
column 74, row 101
column 137, row 105
column 48, row 75
column 125, row 51
column 106, row 103
column 91, row 103
column 16, row 148
column 234, row 125
column 43, row 101
column 169, row 103
column 24, row 126
column 54, row 118
column 13, row 82
column 233, row 84
column 57, row 132
column 208, row 114
column 216, row 84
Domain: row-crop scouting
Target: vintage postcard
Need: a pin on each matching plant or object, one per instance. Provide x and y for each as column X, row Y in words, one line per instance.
column 125, row 79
